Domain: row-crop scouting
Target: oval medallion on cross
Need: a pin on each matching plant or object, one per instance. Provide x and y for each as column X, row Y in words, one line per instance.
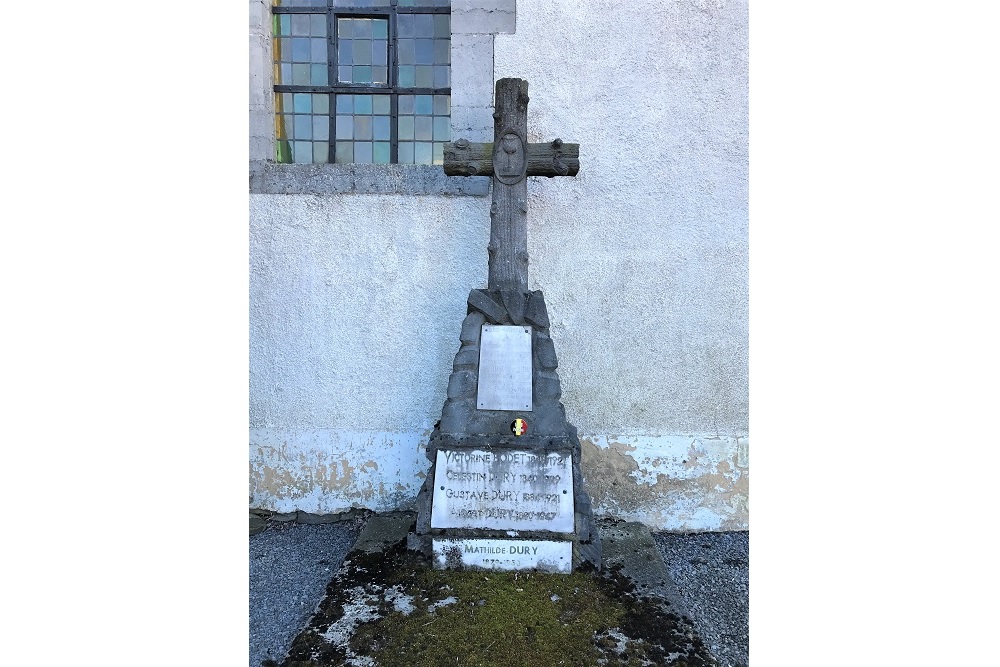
column 510, row 160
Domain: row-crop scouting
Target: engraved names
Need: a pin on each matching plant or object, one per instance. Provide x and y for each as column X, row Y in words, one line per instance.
column 499, row 554
column 503, row 490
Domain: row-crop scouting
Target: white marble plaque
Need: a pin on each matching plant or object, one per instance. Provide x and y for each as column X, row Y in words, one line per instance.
column 504, row 489
column 504, row 368
column 498, row 554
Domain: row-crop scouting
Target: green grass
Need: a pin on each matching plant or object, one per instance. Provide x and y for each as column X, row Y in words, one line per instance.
column 515, row 619
column 499, row 619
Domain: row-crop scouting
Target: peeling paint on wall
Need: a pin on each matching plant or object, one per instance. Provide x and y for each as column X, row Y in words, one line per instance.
column 325, row 471
column 680, row 483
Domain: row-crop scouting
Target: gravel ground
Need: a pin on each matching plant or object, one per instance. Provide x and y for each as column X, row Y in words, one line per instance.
column 712, row 575
column 290, row 565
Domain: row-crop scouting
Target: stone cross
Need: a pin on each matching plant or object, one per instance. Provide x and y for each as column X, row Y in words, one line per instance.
column 510, row 159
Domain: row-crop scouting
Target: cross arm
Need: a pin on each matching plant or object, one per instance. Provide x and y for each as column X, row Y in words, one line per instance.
column 464, row 158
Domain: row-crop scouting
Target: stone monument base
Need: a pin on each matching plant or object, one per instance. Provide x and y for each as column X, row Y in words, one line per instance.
column 505, row 490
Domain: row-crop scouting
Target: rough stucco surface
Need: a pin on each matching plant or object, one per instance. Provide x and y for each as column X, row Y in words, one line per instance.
column 643, row 256
column 355, row 307
column 356, row 301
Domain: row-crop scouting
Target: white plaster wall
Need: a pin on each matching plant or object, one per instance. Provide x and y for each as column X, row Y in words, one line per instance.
column 357, row 300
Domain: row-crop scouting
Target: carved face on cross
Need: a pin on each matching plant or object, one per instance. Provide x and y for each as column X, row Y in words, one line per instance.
column 510, row 159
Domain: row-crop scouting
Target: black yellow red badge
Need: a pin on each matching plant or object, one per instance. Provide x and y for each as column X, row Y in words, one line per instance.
column 519, row 426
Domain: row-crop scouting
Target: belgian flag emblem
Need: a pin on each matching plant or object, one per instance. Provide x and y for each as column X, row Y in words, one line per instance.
column 519, row 426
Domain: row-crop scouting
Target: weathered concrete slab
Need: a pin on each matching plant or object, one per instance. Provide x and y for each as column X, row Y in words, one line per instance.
column 383, row 531
column 628, row 547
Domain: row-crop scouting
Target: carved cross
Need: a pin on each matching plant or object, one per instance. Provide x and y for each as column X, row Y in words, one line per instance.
column 510, row 159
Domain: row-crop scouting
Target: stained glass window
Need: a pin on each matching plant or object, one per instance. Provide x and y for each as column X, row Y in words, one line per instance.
column 362, row 80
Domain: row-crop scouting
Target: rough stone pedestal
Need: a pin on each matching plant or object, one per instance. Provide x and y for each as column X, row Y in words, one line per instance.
column 509, row 476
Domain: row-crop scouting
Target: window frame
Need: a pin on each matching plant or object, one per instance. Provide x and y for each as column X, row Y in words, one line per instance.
column 334, row 88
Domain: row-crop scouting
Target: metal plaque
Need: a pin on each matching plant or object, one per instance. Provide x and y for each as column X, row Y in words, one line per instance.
column 500, row 554
column 505, row 368
column 504, row 489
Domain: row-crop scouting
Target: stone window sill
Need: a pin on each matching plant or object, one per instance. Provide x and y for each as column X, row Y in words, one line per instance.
column 406, row 179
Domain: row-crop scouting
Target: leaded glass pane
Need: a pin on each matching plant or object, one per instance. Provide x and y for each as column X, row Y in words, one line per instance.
column 442, row 76
column 362, row 104
column 380, row 105
column 423, row 51
column 442, row 129
column 361, row 51
column 423, row 105
column 380, row 152
column 406, row 76
column 303, row 127
column 406, row 152
column 362, row 28
column 422, row 128
column 424, row 25
column 300, row 24
column 404, row 51
column 300, row 50
column 442, row 51
column 406, row 26
column 302, row 152
column 317, row 25
column 380, row 127
column 345, row 127
column 300, row 75
column 380, row 52
column 363, row 152
column 344, row 152
column 442, row 105
column 318, row 75
column 424, row 77
column 422, row 153
column 442, row 25
column 321, row 103
column 321, row 128
column 362, row 127
column 318, row 50
column 301, row 103
column 405, row 128
column 321, row 152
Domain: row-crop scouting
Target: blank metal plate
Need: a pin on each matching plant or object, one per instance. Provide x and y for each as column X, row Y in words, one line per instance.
column 505, row 368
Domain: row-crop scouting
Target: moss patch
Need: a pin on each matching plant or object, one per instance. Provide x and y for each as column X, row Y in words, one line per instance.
column 393, row 610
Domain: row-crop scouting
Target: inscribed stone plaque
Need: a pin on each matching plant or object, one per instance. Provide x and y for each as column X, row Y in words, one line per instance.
column 505, row 368
column 503, row 490
column 546, row 555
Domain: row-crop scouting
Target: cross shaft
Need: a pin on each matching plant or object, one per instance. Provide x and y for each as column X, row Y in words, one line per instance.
column 510, row 159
